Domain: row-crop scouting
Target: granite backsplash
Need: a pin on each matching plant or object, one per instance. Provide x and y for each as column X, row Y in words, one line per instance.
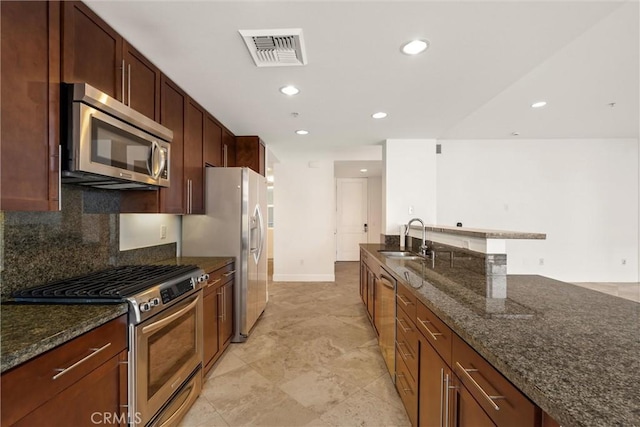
column 39, row 247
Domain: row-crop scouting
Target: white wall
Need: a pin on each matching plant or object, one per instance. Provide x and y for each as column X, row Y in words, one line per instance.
column 582, row 193
column 374, row 189
column 304, row 205
column 143, row 230
column 304, row 211
column 408, row 179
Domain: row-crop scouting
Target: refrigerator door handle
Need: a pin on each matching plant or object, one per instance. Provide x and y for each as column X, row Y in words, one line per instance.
column 258, row 217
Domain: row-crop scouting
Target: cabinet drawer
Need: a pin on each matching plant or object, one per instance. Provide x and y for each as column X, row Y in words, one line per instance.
column 408, row 391
column 408, row 356
column 406, row 331
column 484, row 382
column 435, row 331
column 406, row 301
column 219, row 277
column 38, row 380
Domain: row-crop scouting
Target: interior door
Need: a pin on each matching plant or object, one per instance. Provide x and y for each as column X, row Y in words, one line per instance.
column 351, row 218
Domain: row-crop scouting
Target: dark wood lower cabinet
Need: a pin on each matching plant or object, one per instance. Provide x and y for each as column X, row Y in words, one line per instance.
column 99, row 398
column 467, row 412
column 82, row 382
column 217, row 314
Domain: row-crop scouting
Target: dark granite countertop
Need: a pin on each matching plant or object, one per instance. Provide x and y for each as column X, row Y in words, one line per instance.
column 483, row 233
column 28, row 330
column 206, row 263
column 573, row 351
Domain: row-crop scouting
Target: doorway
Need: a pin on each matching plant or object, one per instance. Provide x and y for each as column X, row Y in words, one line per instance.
column 358, row 202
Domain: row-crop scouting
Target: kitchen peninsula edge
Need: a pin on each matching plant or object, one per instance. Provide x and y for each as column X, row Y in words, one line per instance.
column 572, row 351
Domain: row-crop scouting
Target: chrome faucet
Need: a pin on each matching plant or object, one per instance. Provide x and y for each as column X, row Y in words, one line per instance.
column 423, row 246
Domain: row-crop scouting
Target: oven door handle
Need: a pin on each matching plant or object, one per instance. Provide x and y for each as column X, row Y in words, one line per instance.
column 162, row 323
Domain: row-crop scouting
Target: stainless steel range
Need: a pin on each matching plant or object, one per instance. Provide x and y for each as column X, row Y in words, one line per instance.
column 165, row 331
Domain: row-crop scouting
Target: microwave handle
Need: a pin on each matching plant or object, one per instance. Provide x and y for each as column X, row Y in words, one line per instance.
column 151, row 161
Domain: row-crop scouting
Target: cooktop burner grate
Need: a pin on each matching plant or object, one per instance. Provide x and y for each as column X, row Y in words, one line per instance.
column 113, row 284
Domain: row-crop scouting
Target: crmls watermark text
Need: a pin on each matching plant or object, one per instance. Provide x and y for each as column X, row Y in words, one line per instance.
column 111, row 418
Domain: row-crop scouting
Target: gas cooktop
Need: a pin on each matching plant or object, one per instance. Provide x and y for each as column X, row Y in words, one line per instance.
column 111, row 285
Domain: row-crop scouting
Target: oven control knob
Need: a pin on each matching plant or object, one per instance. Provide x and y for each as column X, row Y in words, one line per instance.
column 145, row 306
column 154, row 302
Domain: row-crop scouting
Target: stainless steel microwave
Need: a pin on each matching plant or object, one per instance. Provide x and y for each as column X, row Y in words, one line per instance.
column 106, row 144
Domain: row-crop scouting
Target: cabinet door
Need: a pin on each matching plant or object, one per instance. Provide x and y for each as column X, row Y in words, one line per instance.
column 142, row 83
column 98, row 398
column 212, row 142
column 193, row 158
column 433, row 383
column 226, row 312
column 250, row 152
column 469, row 413
column 30, row 98
column 173, row 102
column 371, row 293
column 229, row 149
column 92, row 51
column 210, row 326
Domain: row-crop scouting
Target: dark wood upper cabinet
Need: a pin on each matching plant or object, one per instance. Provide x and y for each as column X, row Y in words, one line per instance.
column 30, row 105
column 142, row 83
column 96, row 54
column 173, row 102
column 171, row 200
column 228, row 149
column 92, row 50
column 193, row 158
column 212, row 142
column 250, row 152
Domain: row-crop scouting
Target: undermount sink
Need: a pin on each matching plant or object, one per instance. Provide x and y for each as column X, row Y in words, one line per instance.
column 405, row 255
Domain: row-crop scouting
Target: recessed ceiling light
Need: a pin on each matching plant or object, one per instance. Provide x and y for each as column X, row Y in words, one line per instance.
column 302, row 132
column 515, row 133
column 379, row 115
column 363, row 170
column 289, row 90
column 415, row 47
column 539, row 104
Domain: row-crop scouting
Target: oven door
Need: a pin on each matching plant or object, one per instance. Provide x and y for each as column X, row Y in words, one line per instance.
column 107, row 146
column 167, row 350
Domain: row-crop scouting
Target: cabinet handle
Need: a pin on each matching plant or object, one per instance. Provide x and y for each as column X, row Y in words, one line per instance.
column 229, row 273
column 403, row 388
column 129, row 85
column 434, row 335
column 404, row 301
column 441, row 397
column 389, row 280
column 224, row 155
column 446, row 400
column 405, row 330
column 213, row 283
column 62, row 371
column 484, row 394
column 59, row 177
column 123, row 101
column 404, row 355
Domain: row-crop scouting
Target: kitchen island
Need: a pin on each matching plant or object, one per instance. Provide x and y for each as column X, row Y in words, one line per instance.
column 572, row 351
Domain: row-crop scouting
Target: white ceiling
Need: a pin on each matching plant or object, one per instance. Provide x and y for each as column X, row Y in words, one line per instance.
column 488, row 61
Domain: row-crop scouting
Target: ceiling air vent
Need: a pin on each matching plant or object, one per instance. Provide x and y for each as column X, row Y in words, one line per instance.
column 275, row 48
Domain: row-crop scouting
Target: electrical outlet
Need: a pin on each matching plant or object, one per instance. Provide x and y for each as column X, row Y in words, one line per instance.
column 624, row 261
column 410, row 209
column 163, row 231
column 541, row 261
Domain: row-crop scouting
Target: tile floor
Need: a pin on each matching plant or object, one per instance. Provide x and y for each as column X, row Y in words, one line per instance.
column 312, row 360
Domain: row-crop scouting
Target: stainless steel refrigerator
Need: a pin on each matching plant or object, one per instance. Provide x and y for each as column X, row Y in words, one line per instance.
column 234, row 225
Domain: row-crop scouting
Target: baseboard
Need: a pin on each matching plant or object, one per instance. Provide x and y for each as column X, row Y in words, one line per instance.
column 304, row 278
